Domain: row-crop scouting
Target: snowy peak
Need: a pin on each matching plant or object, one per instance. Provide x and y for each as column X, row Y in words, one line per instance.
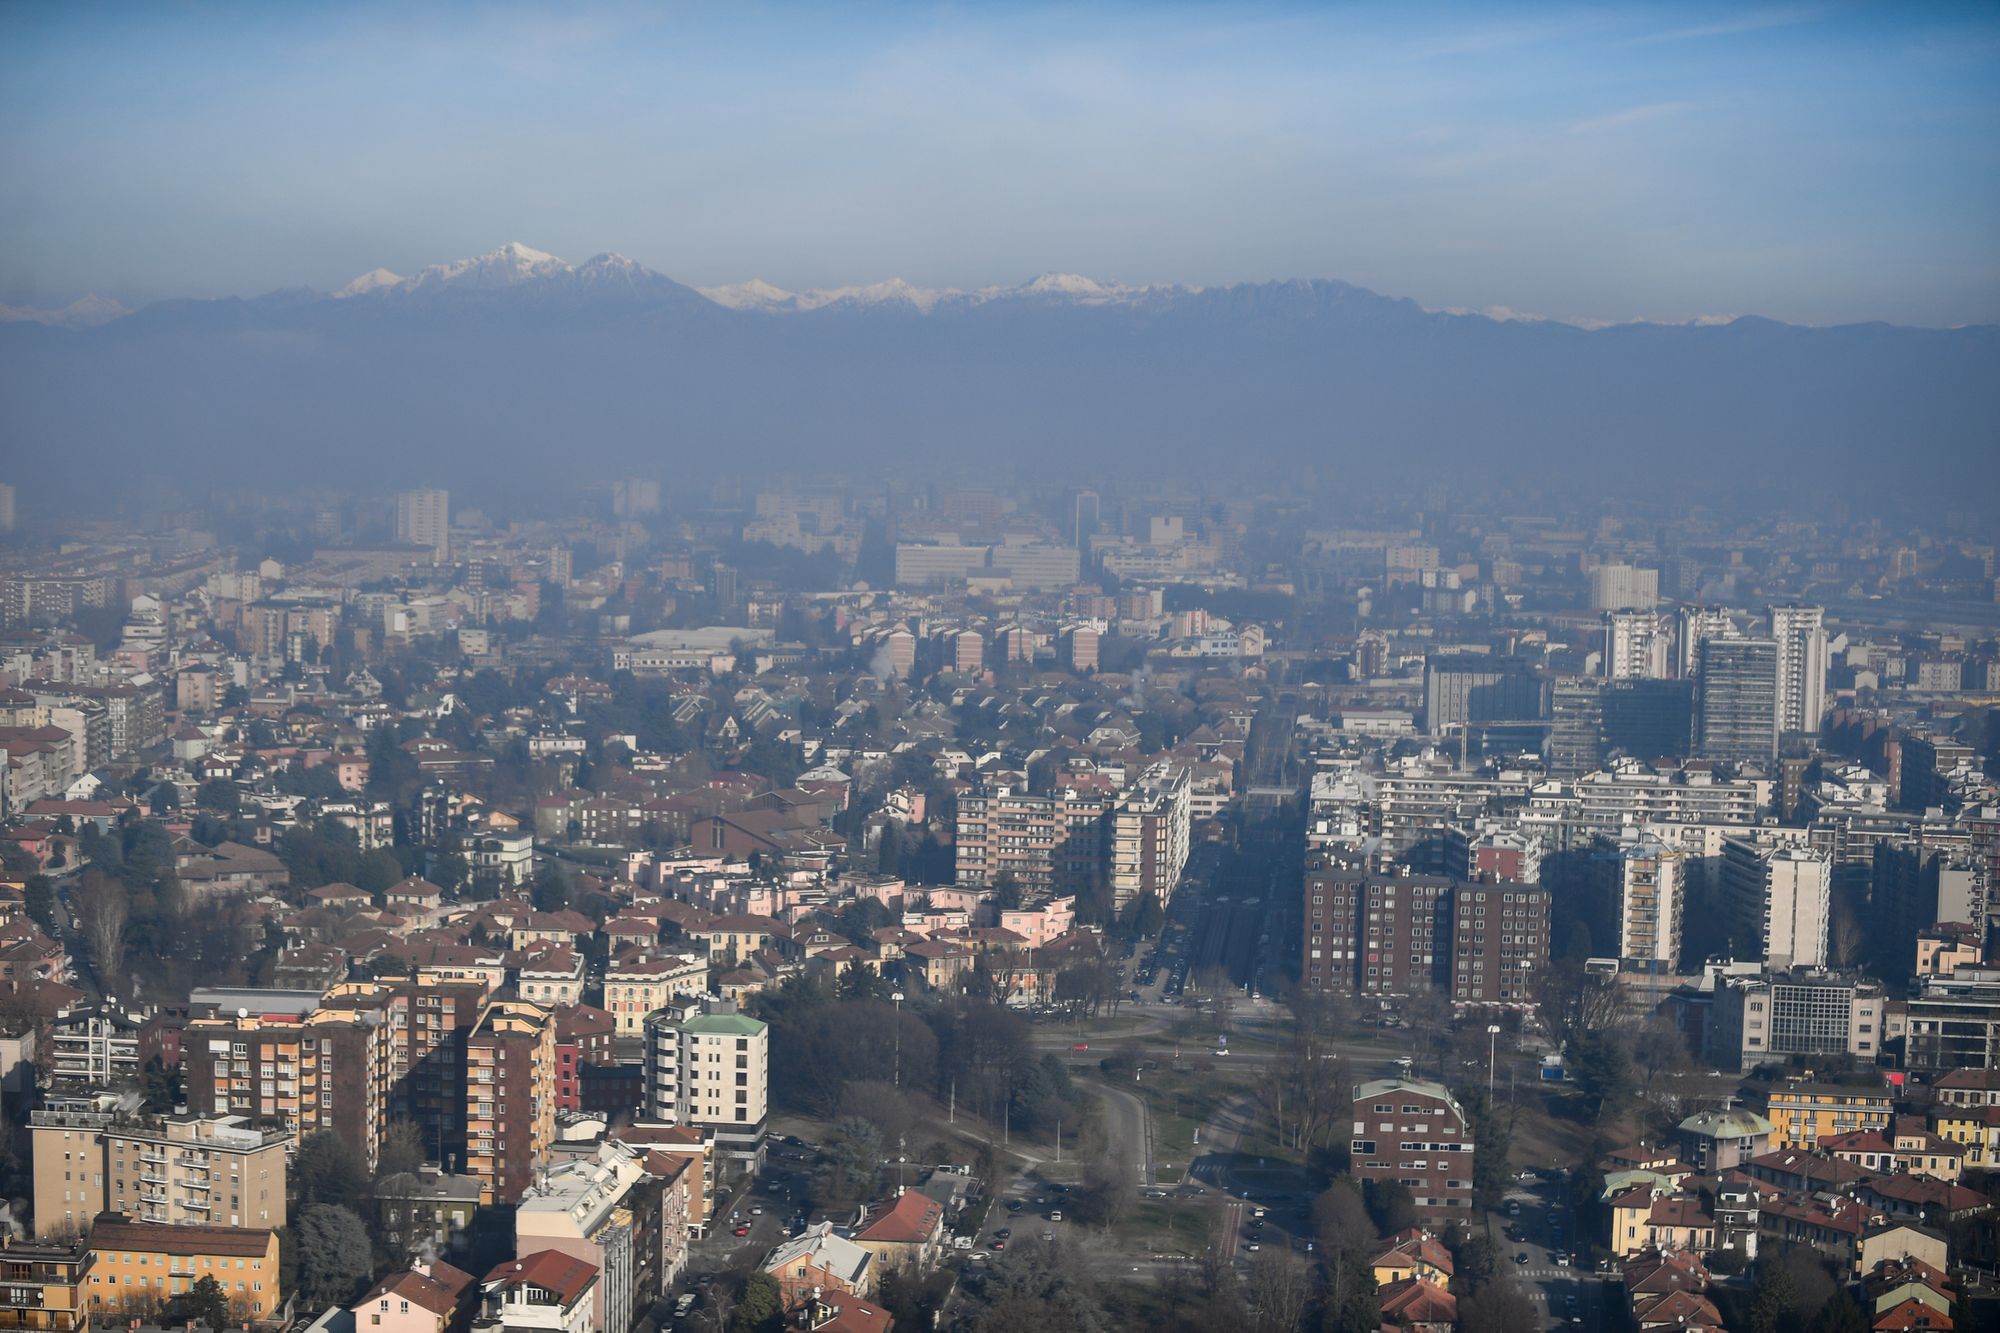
column 374, row 280
column 86, row 312
column 509, row 266
column 755, row 294
column 1061, row 288
column 517, row 270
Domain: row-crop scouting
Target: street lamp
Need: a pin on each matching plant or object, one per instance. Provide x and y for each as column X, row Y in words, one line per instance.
column 1492, row 1038
column 897, row 996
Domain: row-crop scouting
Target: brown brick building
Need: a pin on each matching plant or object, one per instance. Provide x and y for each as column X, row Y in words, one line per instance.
column 1393, row 935
column 1412, row 1131
column 510, row 1097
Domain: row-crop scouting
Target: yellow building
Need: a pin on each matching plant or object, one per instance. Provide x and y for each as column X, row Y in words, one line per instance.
column 45, row 1284
column 1801, row 1114
column 184, row 1168
column 136, row 1265
column 1973, row 1128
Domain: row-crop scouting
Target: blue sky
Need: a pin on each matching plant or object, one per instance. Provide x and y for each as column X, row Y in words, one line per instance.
column 1813, row 162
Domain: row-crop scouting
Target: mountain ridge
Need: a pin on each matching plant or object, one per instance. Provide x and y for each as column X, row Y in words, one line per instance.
column 515, row 361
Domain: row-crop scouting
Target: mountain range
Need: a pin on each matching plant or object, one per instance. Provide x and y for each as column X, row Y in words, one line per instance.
column 516, row 365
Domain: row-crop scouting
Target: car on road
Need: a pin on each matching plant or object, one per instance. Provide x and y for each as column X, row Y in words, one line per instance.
column 1005, row 1233
column 1013, row 1205
column 1081, row 1046
column 1249, row 1244
column 683, row 1305
column 997, row 1244
column 741, row 1231
column 1222, row 1050
column 1562, row 1260
column 1521, row 1258
column 1056, row 1216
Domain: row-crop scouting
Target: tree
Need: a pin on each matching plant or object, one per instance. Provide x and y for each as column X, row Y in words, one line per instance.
column 1602, row 1071
column 102, row 909
column 1280, row 1288
column 1391, row 1205
column 1776, row 1306
column 759, row 1309
column 1572, row 1001
column 1492, row 1140
column 1147, row 915
column 1006, row 891
column 1474, row 1258
column 1340, row 1219
column 39, row 897
column 327, row 1170
column 207, row 1303
column 335, row 1254
column 1499, row 1307
column 402, row 1151
column 551, row 891
column 1108, row 1189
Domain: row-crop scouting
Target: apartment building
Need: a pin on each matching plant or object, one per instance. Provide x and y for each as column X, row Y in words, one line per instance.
column 47, row 1284
column 605, row 1210
column 1051, row 845
column 137, row 1265
column 1402, row 934
column 164, row 1169
column 325, row 1071
column 426, row 1018
column 1652, row 893
column 423, row 518
column 1150, row 829
column 708, row 1067
column 641, row 983
column 1499, row 944
column 1804, row 1114
column 1780, row 901
column 1800, row 633
column 1737, row 709
column 510, row 1097
column 1777, row 1015
column 1414, row 1132
column 1954, row 1022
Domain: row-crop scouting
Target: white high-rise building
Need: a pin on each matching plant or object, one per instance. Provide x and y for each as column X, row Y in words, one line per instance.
column 709, row 1066
column 1801, row 635
column 1780, row 901
column 1651, row 894
column 1693, row 624
column 1624, row 588
column 423, row 518
column 1635, row 646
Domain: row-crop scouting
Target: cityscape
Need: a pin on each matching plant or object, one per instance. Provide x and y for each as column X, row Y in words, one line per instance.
column 541, row 796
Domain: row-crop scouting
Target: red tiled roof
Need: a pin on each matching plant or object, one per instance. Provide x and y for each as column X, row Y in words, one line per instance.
column 911, row 1220
column 564, row 1275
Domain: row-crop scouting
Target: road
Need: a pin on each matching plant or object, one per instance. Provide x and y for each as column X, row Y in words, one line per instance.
column 1546, row 1227
column 1128, row 1129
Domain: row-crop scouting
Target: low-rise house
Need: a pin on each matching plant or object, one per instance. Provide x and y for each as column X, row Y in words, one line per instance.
column 427, row 1297
column 1412, row 1252
column 544, row 1292
column 1902, row 1241
column 1419, row 1305
column 1908, row 1146
column 905, row 1233
column 821, row 1262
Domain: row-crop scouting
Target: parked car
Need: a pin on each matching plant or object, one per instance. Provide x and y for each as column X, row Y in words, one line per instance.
column 741, row 1231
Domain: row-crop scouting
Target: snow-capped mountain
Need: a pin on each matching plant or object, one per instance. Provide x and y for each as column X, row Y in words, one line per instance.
column 86, row 312
column 519, row 360
column 1072, row 288
column 518, row 269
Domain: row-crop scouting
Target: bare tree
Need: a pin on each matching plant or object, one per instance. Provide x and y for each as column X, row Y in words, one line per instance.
column 102, row 909
column 1280, row 1288
column 1572, row 1001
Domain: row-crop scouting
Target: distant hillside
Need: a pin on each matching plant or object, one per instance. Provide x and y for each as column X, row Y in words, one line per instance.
column 519, row 363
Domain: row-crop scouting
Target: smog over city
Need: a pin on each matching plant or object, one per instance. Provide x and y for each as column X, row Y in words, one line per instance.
column 1135, row 666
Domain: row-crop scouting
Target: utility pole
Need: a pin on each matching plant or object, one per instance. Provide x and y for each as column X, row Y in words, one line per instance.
column 897, row 996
